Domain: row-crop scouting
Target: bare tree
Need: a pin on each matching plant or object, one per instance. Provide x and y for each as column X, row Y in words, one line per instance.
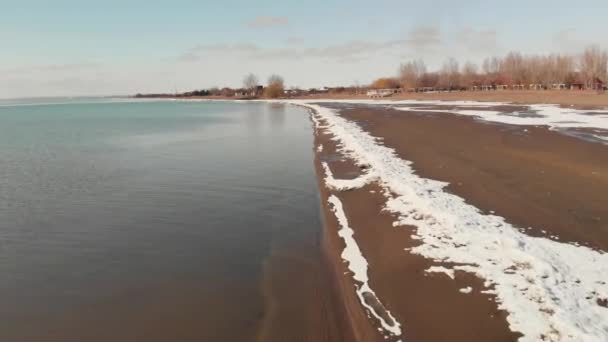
column 593, row 65
column 449, row 76
column 564, row 66
column 491, row 65
column 469, row 75
column 385, row 83
column 512, row 67
column 250, row 82
column 429, row 79
column 588, row 70
column 535, row 69
column 276, row 87
column 215, row 91
column 410, row 74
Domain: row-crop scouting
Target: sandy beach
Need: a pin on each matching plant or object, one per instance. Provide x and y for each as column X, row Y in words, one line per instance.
column 548, row 186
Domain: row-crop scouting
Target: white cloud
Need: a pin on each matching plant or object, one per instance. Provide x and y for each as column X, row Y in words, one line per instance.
column 342, row 51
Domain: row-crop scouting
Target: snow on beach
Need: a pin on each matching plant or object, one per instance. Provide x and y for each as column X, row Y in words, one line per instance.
column 536, row 115
column 358, row 265
column 552, row 116
column 553, row 291
column 351, row 254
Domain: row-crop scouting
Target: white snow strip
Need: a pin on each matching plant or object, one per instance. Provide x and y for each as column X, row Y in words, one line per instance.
column 357, row 264
column 315, row 121
column 346, row 184
column 320, row 148
column 544, row 115
column 441, row 269
column 552, row 290
column 466, row 290
column 601, row 137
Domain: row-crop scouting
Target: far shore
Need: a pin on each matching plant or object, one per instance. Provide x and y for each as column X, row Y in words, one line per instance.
column 575, row 98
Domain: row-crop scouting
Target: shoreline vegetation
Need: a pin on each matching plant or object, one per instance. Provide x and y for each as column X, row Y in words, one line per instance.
column 515, row 78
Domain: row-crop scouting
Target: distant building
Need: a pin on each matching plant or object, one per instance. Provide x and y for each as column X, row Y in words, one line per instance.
column 558, row 86
column 241, row 93
column 381, row 92
column 321, row 90
column 257, row 91
column 598, row 84
column 293, row 92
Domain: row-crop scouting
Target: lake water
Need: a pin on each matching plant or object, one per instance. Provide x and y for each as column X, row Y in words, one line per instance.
column 124, row 220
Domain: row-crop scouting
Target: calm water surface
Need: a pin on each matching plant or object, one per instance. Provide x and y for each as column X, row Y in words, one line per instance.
column 116, row 216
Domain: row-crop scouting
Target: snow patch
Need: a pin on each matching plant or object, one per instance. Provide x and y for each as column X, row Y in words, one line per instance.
column 441, row 269
column 358, row 265
column 466, row 290
column 346, row 184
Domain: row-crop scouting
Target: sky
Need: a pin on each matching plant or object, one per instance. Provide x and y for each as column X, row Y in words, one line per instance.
column 111, row 47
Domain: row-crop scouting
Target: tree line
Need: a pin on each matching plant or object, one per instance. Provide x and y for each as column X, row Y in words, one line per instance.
column 588, row 70
column 275, row 88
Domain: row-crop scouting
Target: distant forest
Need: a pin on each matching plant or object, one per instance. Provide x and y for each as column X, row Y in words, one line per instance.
column 588, row 70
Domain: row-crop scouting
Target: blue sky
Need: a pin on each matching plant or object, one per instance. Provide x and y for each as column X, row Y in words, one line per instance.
column 66, row 47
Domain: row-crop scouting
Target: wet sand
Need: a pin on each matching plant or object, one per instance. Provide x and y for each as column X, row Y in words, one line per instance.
column 554, row 183
column 302, row 302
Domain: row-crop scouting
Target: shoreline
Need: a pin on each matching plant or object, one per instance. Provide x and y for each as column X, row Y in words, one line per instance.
column 365, row 327
column 360, row 327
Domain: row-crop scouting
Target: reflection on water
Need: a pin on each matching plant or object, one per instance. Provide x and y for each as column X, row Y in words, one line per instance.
column 126, row 212
column 255, row 115
column 276, row 114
